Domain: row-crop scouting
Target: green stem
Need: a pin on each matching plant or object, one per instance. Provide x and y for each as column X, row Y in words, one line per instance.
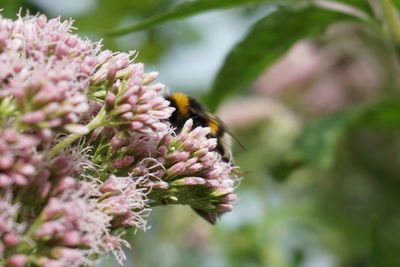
column 96, row 122
column 24, row 247
column 38, row 222
column 392, row 18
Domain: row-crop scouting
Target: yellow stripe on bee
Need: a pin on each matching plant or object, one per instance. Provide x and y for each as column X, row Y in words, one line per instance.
column 213, row 124
column 214, row 128
column 182, row 103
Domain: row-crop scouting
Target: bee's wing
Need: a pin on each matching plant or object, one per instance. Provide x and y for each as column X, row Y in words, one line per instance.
column 218, row 122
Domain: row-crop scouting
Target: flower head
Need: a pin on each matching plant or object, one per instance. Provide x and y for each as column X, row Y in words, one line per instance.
column 46, row 69
column 86, row 149
column 195, row 173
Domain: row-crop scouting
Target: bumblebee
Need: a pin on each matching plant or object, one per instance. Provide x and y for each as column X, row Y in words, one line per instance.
column 187, row 107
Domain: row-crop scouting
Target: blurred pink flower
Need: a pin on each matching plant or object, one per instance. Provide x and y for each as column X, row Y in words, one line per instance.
column 325, row 74
column 258, row 109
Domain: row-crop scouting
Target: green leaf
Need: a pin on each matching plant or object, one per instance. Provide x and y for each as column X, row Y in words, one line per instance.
column 318, row 142
column 186, row 9
column 396, row 4
column 382, row 114
column 266, row 42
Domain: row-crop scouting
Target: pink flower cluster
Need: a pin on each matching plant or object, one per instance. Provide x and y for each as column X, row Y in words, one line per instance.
column 135, row 105
column 86, row 149
column 18, row 161
column 190, row 163
column 46, row 70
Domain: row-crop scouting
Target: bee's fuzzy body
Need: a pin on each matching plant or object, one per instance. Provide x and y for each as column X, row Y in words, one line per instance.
column 189, row 108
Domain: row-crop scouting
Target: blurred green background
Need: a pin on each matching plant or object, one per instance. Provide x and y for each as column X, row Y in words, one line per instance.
column 313, row 94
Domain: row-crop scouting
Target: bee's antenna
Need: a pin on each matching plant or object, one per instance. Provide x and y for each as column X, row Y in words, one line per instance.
column 237, row 141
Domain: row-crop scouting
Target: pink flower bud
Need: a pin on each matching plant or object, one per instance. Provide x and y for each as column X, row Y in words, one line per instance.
column 195, row 168
column 143, row 117
column 19, row 179
column 224, row 208
column 116, row 205
column 53, row 123
column 118, row 163
column 191, row 145
column 131, row 91
column 189, row 181
column 6, row 161
column 33, row 117
column 176, row 169
column 53, row 208
column 100, row 75
column 128, row 116
column 44, row 190
column 162, row 150
column 156, row 185
column 178, row 156
column 118, row 142
column 27, row 169
column 104, row 56
column 149, row 77
column 143, row 108
column 17, row 260
column 228, row 198
column 10, row 136
column 11, row 239
column 122, row 109
column 201, row 153
column 222, row 192
column 68, row 254
column 110, row 185
column 5, row 180
column 64, row 184
column 136, row 125
column 77, row 129
column 110, row 100
column 128, row 160
column 156, row 87
column 71, row 239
